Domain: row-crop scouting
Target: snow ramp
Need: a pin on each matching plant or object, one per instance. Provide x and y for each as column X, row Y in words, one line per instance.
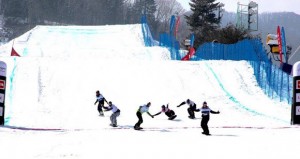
column 100, row 41
column 52, row 85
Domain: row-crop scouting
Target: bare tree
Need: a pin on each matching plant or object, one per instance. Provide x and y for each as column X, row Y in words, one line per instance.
column 165, row 9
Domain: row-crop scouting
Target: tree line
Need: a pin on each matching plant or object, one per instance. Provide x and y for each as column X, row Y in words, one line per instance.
column 77, row 12
column 204, row 19
column 26, row 14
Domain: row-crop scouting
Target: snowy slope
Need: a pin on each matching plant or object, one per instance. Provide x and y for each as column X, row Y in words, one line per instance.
column 53, row 84
column 62, row 67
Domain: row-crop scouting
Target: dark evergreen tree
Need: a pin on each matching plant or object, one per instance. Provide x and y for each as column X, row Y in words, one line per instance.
column 129, row 13
column 116, row 11
column 231, row 34
column 150, row 10
column 14, row 9
column 147, row 8
column 138, row 9
column 204, row 19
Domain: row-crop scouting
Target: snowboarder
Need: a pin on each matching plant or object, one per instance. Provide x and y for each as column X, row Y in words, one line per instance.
column 192, row 108
column 205, row 110
column 100, row 99
column 170, row 113
column 140, row 111
column 116, row 112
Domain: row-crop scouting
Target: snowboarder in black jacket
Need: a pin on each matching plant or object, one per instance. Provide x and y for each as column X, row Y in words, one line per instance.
column 205, row 111
column 165, row 109
column 100, row 99
column 192, row 108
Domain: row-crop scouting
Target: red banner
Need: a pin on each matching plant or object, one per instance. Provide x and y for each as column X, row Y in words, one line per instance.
column 177, row 25
column 279, row 43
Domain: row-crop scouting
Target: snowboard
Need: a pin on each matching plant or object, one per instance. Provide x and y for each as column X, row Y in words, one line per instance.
column 101, row 114
column 206, row 134
column 191, row 117
column 172, row 117
column 113, row 125
column 139, row 128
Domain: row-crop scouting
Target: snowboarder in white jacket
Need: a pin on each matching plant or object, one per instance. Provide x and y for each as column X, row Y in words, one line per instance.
column 142, row 109
column 100, row 99
column 115, row 113
column 205, row 111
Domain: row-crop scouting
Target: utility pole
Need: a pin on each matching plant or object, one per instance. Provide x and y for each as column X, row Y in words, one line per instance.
column 252, row 16
column 247, row 16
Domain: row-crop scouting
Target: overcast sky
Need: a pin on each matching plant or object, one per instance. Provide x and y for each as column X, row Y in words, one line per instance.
column 263, row 5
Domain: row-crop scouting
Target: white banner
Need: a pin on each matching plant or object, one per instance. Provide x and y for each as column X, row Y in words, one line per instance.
column 297, row 97
column 297, row 110
column 1, row 98
column 2, row 69
column 1, row 111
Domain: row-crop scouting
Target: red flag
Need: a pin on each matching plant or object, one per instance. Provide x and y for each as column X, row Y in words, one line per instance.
column 177, row 25
column 279, row 43
column 14, row 52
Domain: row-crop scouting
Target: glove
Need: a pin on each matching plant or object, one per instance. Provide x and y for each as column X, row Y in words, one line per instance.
column 178, row 106
column 106, row 108
column 218, row 112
